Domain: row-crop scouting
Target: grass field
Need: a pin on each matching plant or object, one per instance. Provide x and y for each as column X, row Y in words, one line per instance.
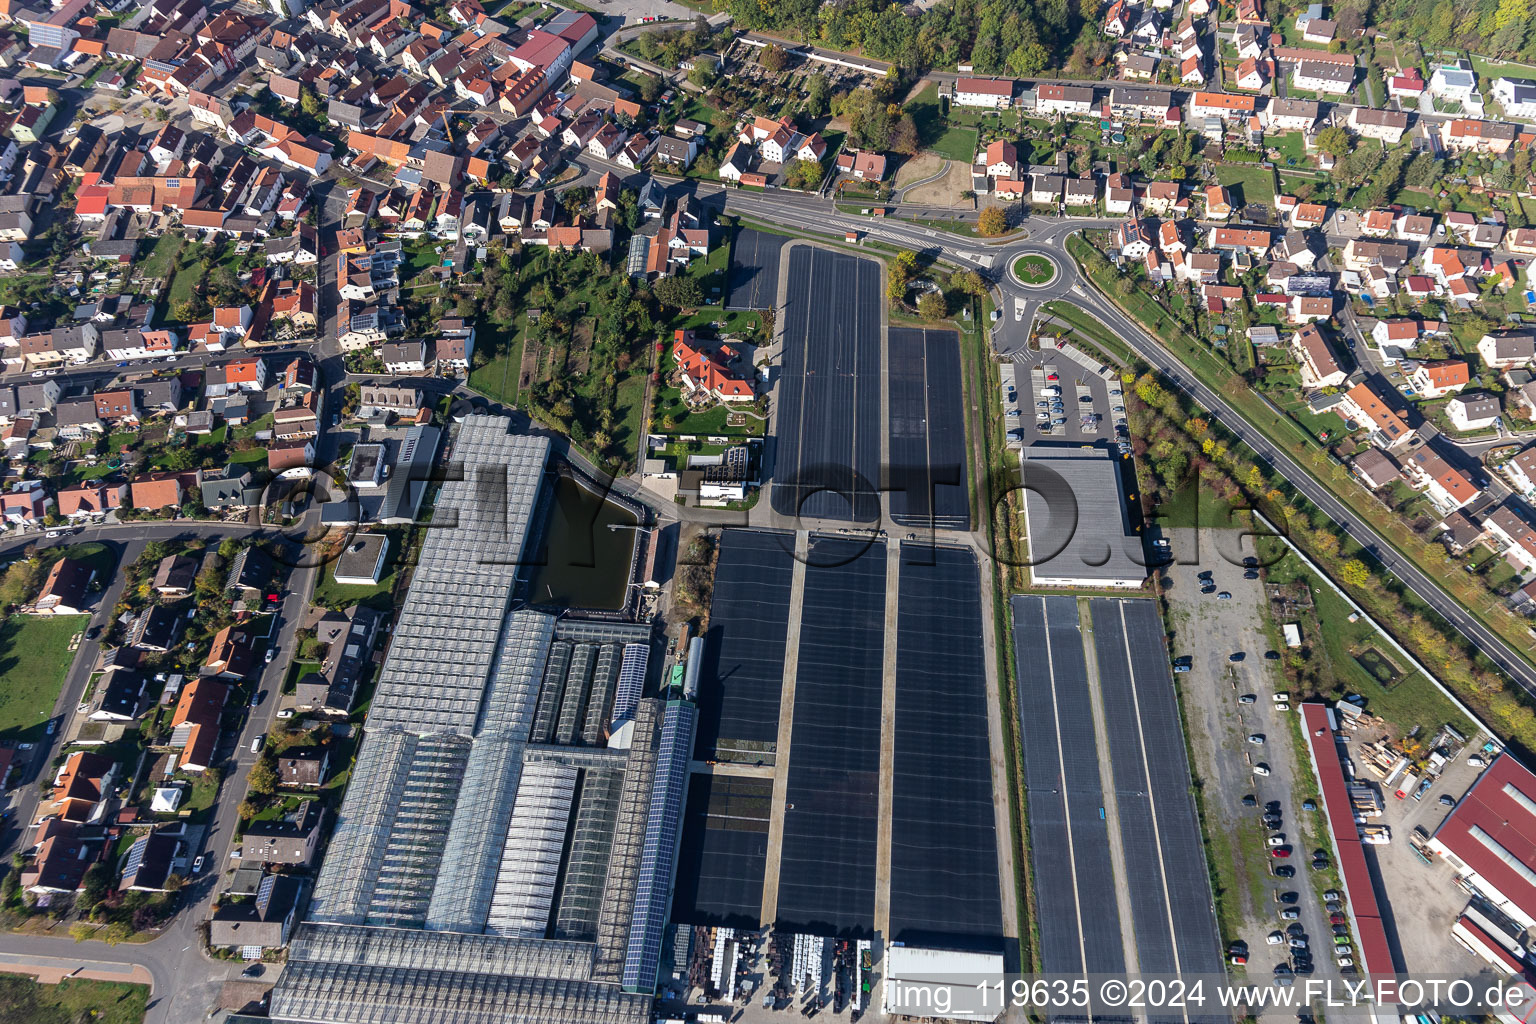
column 1412, row 701
column 100, row 1002
column 497, row 379
column 935, row 132
column 1033, row 269
column 1500, row 69
column 1249, row 183
column 34, row 657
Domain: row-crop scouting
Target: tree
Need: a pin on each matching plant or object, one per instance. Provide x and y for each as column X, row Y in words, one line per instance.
column 803, row 174
column 21, row 582
column 312, row 106
column 773, row 58
column 1334, row 141
column 992, row 222
column 682, row 292
column 817, row 94
column 703, row 73
column 969, row 282
column 904, row 136
column 650, row 88
column 94, row 886
column 932, row 306
column 1029, row 60
column 263, row 779
column 1354, row 573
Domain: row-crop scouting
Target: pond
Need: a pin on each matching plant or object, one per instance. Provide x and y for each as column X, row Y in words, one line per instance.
column 583, row 563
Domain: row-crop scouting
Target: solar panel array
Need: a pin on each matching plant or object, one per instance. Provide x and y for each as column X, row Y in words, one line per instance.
column 945, row 891
column 725, row 852
column 1069, row 844
column 742, row 679
column 1191, row 907
column 927, row 458
column 828, row 407
column 637, row 657
column 827, row 866
column 658, row 857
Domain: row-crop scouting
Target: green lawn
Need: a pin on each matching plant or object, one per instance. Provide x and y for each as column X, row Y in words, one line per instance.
column 1249, row 183
column 1033, row 269
column 1291, row 147
column 250, row 455
column 34, row 658
column 1413, row 701
column 71, row 1001
column 935, row 132
column 1500, row 69
column 503, row 347
column 158, row 261
column 377, row 595
column 956, row 144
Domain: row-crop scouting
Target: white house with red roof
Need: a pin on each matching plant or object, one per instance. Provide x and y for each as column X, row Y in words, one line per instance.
column 708, row 372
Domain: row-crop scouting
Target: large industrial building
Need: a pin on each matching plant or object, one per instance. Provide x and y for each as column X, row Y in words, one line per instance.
column 1490, row 838
column 506, row 847
column 1077, row 521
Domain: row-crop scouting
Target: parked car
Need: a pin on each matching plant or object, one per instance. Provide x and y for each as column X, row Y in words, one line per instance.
column 1261, row 769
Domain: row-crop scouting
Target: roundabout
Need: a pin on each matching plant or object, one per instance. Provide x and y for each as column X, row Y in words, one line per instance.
column 1033, row 270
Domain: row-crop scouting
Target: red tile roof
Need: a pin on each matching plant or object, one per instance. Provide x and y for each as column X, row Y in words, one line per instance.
column 1375, row 952
column 1498, row 809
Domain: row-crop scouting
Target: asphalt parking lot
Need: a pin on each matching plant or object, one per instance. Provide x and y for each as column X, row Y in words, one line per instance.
column 1209, row 630
column 1084, row 405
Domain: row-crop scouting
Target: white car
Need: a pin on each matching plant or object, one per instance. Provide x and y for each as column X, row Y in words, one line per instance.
column 1261, row 769
column 37, row 373
column 1277, row 840
column 1274, row 938
column 1257, row 739
column 1344, row 961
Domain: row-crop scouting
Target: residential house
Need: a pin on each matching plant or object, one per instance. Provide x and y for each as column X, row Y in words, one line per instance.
column 292, row 839
column 1386, row 125
column 264, row 923
column 984, row 92
column 1319, row 366
column 66, row 589
column 1291, row 115
column 195, row 722
column 232, row 655
column 1388, row 429
column 1466, row 135
column 1319, row 76
column 349, row 637
column 1448, row 488
column 82, row 786
column 1478, row 411
column 174, row 576
column 154, row 491
column 708, row 373
column 1507, row 349
column 60, row 854
column 1513, row 536
column 151, row 861
column 1218, row 203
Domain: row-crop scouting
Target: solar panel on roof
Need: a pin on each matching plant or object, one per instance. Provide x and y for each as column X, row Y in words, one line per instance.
column 658, row 854
column 136, row 855
column 631, row 679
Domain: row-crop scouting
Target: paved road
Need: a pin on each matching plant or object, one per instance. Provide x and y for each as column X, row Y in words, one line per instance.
column 1048, row 236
